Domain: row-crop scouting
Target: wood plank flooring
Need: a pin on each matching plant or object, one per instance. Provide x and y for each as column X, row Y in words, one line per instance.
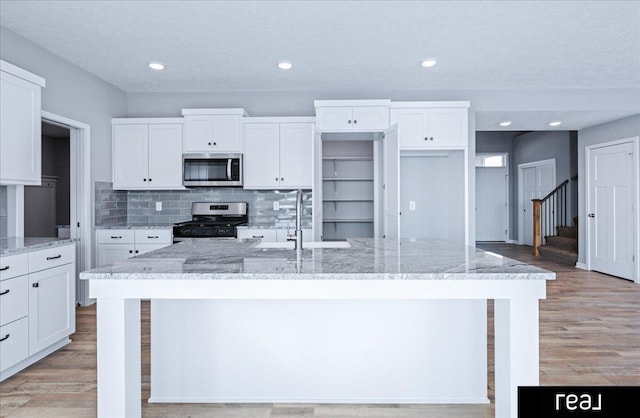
column 589, row 335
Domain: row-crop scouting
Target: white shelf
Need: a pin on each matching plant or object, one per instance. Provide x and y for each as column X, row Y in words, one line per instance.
column 347, row 200
column 343, row 158
column 331, row 221
column 347, row 179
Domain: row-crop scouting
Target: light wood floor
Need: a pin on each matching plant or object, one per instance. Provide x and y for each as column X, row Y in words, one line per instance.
column 589, row 335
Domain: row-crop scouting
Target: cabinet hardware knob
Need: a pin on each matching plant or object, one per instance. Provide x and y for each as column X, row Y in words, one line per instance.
column 130, row 251
column 152, row 236
column 215, row 143
column 114, row 237
column 137, row 251
column 349, row 121
column 5, row 337
column 55, row 257
column 355, row 121
column 5, row 268
column 258, row 236
column 592, row 215
column 281, row 178
column 35, row 285
column 5, row 292
column 426, row 138
column 276, row 179
column 209, row 143
column 149, row 179
column 144, row 179
column 431, row 138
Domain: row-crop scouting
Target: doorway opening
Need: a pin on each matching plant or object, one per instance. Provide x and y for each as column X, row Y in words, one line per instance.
column 492, row 197
column 535, row 180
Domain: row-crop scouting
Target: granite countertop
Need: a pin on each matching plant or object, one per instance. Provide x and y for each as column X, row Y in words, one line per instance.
column 17, row 245
column 291, row 228
column 368, row 258
column 126, row 226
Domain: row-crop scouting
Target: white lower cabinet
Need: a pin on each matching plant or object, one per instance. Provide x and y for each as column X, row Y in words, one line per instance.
column 51, row 306
column 37, row 305
column 119, row 244
column 273, row 235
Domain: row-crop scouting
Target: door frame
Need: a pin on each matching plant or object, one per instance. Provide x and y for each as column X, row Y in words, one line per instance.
column 636, row 199
column 521, row 167
column 81, row 207
column 507, row 166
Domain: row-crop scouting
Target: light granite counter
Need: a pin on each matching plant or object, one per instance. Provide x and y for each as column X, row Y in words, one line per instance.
column 128, row 226
column 17, row 245
column 366, row 259
column 320, row 325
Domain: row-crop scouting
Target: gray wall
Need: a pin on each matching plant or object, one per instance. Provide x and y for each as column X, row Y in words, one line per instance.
column 611, row 131
column 71, row 92
column 55, row 162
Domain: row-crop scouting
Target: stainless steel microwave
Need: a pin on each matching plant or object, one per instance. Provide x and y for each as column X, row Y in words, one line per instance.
column 208, row 169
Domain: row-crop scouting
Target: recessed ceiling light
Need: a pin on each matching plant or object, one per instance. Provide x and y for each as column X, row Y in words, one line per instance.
column 285, row 65
column 556, row 123
column 505, row 123
column 428, row 63
column 158, row 66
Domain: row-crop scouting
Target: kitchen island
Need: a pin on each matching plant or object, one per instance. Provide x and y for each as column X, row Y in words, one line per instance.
column 427, row 291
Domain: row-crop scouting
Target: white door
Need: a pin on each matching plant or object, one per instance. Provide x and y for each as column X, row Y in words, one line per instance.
column 130, row 156
column 447, row 127
column 391, row 169
column 538, row 179
column 370, row 118
column 111, row 253
column 261, row 155
column 317, row 186
column 412, row 127
column 165, row 156
column 491, row 203
column 610, row 210
column 296, row 155
column 198, row 133
column 226, row 133
column 335, row 118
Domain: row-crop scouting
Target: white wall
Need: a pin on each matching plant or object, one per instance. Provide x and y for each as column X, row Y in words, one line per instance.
column 71, row 92
column 618, row 129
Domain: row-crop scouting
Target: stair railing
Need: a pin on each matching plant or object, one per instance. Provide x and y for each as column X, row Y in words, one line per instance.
column 549, row 213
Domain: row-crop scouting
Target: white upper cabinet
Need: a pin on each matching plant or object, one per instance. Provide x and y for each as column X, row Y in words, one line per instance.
column 352, row 115
column 212, row 130
column 278, row 153
column 147, row 154
column 428, row 125
column 20, row 140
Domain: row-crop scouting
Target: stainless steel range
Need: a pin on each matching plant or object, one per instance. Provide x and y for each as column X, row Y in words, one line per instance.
column 212, row 220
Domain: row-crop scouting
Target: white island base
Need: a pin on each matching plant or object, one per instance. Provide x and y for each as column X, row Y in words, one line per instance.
column 319, row 351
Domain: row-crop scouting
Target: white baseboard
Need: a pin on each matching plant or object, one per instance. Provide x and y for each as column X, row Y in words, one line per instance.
column 581, row 266
column 512, row 241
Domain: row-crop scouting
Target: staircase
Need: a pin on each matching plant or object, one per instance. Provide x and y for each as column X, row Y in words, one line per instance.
column 563, row 247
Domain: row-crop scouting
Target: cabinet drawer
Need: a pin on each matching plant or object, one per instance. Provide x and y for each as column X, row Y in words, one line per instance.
column 115, row 236
column 153, row 236
column 258, row 233
column 51, row 257
column 14, row 299
column 14, row 342
column 14, row 265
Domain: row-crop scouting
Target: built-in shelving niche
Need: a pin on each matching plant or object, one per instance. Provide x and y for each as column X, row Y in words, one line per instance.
column 349, row 182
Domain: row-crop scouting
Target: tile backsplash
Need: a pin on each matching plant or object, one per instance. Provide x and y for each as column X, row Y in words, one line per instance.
column 139, row 207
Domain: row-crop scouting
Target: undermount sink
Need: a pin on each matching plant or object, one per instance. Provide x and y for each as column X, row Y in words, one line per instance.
column 288, row 245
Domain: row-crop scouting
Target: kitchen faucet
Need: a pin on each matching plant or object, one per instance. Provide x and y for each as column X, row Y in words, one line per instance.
column 298, row 232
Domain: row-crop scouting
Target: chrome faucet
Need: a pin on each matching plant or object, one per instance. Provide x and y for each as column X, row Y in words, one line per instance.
column 297, row 237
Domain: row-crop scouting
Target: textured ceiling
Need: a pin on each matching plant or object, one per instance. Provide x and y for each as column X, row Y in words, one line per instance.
column 338, row 45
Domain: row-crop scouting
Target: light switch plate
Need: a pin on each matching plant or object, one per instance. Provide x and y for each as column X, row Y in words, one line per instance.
column 276, row 205
column 158, row 206
column 412, row 205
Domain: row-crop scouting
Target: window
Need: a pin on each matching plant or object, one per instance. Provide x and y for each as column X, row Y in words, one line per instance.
column 491, row 160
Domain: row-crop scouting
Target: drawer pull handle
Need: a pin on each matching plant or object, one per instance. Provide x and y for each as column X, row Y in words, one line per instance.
column 5, row 292
column 153, row 236
column 5, row 268
column 112, row 237
column 55, row 257
column 35, row 285
column 258, row 236
column 5, row 337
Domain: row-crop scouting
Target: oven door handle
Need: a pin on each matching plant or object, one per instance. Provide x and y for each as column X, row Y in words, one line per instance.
column 229, row 169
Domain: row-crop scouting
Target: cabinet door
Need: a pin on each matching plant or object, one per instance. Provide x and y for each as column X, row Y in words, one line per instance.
column 146, row 248
column 165, row 156
column 335, row 118
column 412, row 127
column 261, row 156
column 370, row 118
column 20, row 142
column 226, row 133
column 296, row 155
column 268, row 235
column 130, row 156
column 111, row 253
column 448, row 127
column 51, row 306
column 198, row 133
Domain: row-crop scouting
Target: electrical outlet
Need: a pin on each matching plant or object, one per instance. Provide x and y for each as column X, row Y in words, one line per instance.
column 276, row 205
column 158, row 206
column 412, row 205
